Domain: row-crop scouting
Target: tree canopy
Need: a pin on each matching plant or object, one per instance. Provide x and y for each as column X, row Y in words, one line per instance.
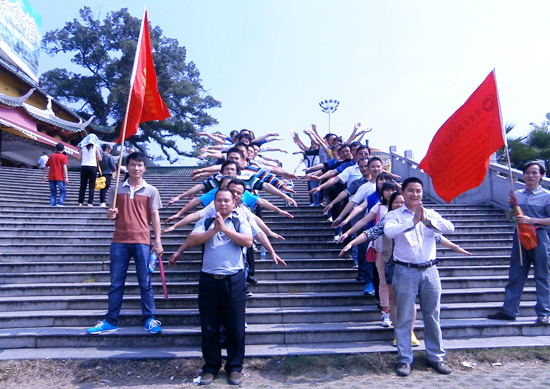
column 105, row 50
column 533, row 146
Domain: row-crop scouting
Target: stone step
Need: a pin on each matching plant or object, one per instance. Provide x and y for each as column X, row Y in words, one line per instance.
column 473, row 297
column 254, row 315
column 295, row 334
column 101, row 274
column 98, row 283
column 285, row 250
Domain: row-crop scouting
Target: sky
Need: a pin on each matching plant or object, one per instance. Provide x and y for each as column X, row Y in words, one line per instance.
column 398, row 67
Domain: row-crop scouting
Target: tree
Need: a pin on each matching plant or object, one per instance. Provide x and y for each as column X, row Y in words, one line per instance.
column 105, row 50
column 533, row 146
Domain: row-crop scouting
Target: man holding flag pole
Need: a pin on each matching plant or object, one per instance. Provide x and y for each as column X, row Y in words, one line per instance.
column 134, row 204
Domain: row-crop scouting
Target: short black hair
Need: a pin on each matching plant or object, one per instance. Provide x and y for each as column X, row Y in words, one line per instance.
column 60, row 147
column 542, row 170
column 240, row 137
column 105, row 147
column 355, row 144
column 138, row 156
column 375, row 159
column 236, row 181
column 411, row 180
column 255, row 143
column 229, row 162
column 235, row 150
column 224, row 190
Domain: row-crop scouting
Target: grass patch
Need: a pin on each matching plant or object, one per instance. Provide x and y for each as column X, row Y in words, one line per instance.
column 264, row 372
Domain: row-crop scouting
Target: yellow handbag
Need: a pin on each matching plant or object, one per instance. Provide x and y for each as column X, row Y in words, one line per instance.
column 100, row 182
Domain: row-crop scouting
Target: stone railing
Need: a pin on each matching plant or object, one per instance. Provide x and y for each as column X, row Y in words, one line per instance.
column 494, row 189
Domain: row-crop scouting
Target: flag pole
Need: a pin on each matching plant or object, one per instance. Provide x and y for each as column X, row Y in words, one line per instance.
column 125, row 122
column 512, row 194
column 510, row 174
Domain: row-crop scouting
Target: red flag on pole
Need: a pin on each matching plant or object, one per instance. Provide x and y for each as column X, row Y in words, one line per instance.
column 144, row 102
column 458, row 157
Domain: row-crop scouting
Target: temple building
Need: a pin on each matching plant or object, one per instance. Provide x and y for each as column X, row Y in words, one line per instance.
column 32, row 122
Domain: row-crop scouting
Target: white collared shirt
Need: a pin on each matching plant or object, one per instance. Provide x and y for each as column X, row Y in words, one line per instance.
column 414, row 244
column 133, row 191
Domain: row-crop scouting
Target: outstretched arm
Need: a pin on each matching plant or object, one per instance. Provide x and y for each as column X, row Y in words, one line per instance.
column 193, row 217
column 188, row 193
column 357, row 241
column 213, row 137
column 266, row 204
column 271, row 189
column 267, row 244
column 192, row 204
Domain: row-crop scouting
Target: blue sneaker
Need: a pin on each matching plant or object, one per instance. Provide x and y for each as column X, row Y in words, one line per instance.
column 369, row 289
column 102, row 327
column 153, row 326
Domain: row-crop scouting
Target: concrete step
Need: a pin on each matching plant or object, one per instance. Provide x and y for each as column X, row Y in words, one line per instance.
column 53, row 301
column 254, row 315
column 186, row 336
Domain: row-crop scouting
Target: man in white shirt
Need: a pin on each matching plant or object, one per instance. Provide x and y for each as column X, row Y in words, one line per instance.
column 413, row 228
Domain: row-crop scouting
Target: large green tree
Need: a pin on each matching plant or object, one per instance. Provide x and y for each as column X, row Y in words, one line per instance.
column 105, row 51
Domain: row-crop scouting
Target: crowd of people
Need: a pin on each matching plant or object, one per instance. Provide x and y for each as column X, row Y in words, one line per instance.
column 377, row 216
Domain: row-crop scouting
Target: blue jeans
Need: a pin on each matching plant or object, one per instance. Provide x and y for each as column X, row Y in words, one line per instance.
column 120, row 259
column 408, row 283
column 315, row 198
column 366, row 269
column 53, row 192
column 539, row 257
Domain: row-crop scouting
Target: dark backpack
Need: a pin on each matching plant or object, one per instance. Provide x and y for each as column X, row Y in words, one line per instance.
column 208, row 222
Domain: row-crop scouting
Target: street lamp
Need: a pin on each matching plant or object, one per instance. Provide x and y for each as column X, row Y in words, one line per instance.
column 329, row 106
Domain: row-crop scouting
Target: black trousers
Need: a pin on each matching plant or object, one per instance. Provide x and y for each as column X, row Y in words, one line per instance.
column 88, row 175
column 222, row 301
column 103, row 192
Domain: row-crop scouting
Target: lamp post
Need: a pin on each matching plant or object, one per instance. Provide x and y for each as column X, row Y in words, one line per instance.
column 329, row 106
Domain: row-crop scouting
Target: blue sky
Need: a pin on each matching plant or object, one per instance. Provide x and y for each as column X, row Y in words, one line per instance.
column 400, row 67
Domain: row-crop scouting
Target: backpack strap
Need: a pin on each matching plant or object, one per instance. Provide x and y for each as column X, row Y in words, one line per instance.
column 208, row 222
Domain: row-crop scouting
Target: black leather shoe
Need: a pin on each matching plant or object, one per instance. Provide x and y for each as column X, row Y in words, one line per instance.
column 501, row 316
column 403, row 369
column 206, row 379
column 251, row 280
column 440, row 367
column 235, row 378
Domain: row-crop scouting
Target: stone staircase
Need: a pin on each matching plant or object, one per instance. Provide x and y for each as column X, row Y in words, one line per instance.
column 54, row 277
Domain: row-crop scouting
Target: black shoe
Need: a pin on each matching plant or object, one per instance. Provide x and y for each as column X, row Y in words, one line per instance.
column 542, row 320
column 206, row 379
column 501, row 316
column 235, row 378
column 251, row 280
column 440, row 367
column 403, row 369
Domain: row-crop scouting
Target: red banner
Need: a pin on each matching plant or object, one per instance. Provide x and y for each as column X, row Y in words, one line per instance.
column 145, row 103
column 458, row 157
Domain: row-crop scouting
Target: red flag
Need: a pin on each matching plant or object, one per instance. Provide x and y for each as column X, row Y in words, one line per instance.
column 458, row 157
column 144, row 102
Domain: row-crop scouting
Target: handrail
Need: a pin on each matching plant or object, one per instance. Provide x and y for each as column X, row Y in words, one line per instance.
column 494, row 190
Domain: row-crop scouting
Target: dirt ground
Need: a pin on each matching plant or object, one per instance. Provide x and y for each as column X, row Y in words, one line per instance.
column 493, row 368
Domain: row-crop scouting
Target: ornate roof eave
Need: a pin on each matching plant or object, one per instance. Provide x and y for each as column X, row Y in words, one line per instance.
column 103, row 129
column 48, row 116
column 15, row 101
column 29, row 81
